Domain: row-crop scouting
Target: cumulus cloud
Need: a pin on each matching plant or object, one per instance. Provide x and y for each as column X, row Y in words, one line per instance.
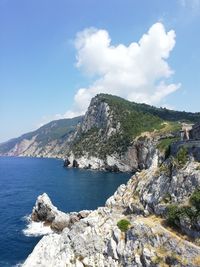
column 138, row 71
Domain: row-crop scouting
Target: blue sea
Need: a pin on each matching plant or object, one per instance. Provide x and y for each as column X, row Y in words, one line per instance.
column 23, row 179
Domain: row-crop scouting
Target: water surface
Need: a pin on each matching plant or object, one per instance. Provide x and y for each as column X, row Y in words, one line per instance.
column 23, row 179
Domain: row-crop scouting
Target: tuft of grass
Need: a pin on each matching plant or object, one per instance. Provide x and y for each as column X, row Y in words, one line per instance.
column 165, row 143
column 181, row 157
column 196, row 261
column 165, row 169
column 123, row 225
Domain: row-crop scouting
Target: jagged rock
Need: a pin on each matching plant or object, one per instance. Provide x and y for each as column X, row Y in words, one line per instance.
column 75, row 164
column 43, row 209
column 66, row 162
column 83, row 213
column 94, row 239
column 46, row 212
column 113, row 168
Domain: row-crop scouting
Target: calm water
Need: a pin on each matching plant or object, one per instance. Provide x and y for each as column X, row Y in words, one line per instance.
column 23, row 179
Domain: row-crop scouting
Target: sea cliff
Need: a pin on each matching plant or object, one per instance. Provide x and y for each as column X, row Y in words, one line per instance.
column 136, row 227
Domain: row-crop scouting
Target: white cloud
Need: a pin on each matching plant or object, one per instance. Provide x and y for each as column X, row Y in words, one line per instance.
column 138, row 72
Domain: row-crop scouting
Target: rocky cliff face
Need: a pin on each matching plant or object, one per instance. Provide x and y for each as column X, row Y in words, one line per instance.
column 51, row 140
column 110, row 136
column 138, row 156
column 130, row 230
column 102, row 140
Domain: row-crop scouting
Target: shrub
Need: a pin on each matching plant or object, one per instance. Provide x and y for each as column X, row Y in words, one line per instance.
column 182, row 156
column 123, row 225
column 195, row 199
column 176, row 212
column 164, row 145
column 172, row 214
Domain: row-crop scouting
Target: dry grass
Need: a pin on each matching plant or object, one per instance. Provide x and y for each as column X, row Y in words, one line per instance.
column 196, row 261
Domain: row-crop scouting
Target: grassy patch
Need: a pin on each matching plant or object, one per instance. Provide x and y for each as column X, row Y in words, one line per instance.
column 165, row 169
column 189, row 213
column 123, row 225
column 195, row 199
column 164, row 145
column 182, row 157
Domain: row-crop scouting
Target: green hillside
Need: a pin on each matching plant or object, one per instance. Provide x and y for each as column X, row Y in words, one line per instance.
column 54, row 130
column 163, row 113
column 134, row 119
column 132, row 123
column 107, row 133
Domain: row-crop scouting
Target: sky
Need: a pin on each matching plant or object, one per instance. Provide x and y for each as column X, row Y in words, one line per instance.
column 55, row 55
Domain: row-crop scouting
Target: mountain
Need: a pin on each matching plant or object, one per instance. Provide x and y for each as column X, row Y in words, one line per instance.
column 115, row 134
column 44, row 141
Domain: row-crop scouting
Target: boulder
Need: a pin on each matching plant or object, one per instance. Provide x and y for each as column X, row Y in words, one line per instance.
column 75, row 164
column 66, row 163
column 45, row 211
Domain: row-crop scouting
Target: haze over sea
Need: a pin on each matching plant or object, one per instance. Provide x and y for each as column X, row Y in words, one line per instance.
column 23, row 179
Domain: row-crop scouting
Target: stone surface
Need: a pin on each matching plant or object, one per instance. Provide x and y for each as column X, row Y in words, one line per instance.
column 92, row 238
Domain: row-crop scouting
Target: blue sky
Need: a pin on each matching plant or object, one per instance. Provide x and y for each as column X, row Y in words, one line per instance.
column 44, row 63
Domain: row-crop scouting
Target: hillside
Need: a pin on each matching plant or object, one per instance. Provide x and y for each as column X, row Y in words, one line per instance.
column 53, row 132
column 114, row 134
column 110, row 125
column 163, row 113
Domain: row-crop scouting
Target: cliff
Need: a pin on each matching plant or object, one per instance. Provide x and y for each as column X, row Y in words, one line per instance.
column 137, row 227
column 114, row 134
column 50, row 140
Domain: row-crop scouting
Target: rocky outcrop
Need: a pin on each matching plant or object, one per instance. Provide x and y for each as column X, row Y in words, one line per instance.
column 138, row 156
column 44, row 211
column 97, row 239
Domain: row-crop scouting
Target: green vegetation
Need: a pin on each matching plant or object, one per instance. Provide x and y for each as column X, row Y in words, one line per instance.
column 195, row 199
column 129, row 118
column 87, row 142
column 189, row 213
column 132, row 123
column 55, row 130
column 164, row 145
column 165, row 169
column 123, row 225
column 181, row 157
column 170, row 127
column 133, row 119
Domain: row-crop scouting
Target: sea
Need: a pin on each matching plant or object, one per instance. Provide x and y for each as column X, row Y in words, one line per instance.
column 23, row 179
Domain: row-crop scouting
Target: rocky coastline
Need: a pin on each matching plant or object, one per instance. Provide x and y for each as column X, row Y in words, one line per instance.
column 102, row 238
